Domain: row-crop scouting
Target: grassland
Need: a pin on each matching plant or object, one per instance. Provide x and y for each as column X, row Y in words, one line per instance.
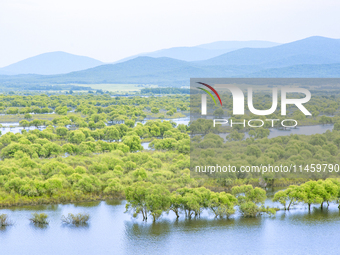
column 117, row 87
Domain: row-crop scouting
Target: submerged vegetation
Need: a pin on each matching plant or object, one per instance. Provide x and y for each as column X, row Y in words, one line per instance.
column 147, row 199
column 77, row 219
column 4, row 220
column 39, row 218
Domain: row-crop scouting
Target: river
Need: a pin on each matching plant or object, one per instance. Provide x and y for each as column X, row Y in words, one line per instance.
column 111, row 231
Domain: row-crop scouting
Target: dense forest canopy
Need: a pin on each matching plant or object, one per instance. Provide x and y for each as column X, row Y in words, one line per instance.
column 88, row 147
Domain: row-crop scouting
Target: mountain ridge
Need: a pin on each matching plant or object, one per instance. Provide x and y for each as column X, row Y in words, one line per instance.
column 49, row 63
column 316, row 57
column 315, row 45
column 202, row 51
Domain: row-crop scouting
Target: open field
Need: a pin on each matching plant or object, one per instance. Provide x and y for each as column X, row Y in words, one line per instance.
column 118, row 87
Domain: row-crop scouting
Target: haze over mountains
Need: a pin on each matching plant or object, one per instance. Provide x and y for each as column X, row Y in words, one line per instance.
column 312, row 50
column 203, row 51
column 310, row 57
column 57, row 62
column 61, row 62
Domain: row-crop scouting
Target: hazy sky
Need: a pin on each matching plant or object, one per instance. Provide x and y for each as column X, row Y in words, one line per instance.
column 109, row 30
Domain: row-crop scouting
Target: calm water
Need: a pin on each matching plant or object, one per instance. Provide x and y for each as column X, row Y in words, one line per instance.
column 183, row 120
column 302, row 130
column 111, row 231
column 145, row 145
column 14, row 128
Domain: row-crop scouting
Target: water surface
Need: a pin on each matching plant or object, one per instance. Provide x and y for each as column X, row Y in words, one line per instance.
column 111, row 231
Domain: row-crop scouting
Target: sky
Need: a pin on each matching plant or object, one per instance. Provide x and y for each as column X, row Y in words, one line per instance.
column 109, row 30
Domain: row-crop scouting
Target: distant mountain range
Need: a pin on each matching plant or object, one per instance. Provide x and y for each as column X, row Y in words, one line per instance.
column 57, row 62
column 61, row 62
column 203, row 51
column 317, row 57
column 312, row 50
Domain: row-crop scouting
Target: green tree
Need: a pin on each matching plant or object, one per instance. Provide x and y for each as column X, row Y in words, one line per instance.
column 290, row 196
column 175, row 203
column 36, row 123
column 133, row 142
column 62, row 131
column 313, row 193
column 111, row 134
column 219, row 112
column 61, row 110
column 154, row 110
column 76, row 136
column 136, row 199
column 157, row 200
column 253, row 150
column 24, row 123
column 28, row 116
column 251, row 200
column 222, row 204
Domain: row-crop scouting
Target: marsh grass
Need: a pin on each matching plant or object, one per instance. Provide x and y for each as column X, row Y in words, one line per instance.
column 4, row 220
column 76, row 219
column 163, row 112
column 39, row 218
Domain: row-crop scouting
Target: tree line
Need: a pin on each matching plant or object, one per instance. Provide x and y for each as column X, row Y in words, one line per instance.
column 153, row 199
column 312, row 192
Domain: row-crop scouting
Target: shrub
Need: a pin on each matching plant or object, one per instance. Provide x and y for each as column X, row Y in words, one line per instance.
column 39, row 218
column 78, row 219
column 4, row 221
